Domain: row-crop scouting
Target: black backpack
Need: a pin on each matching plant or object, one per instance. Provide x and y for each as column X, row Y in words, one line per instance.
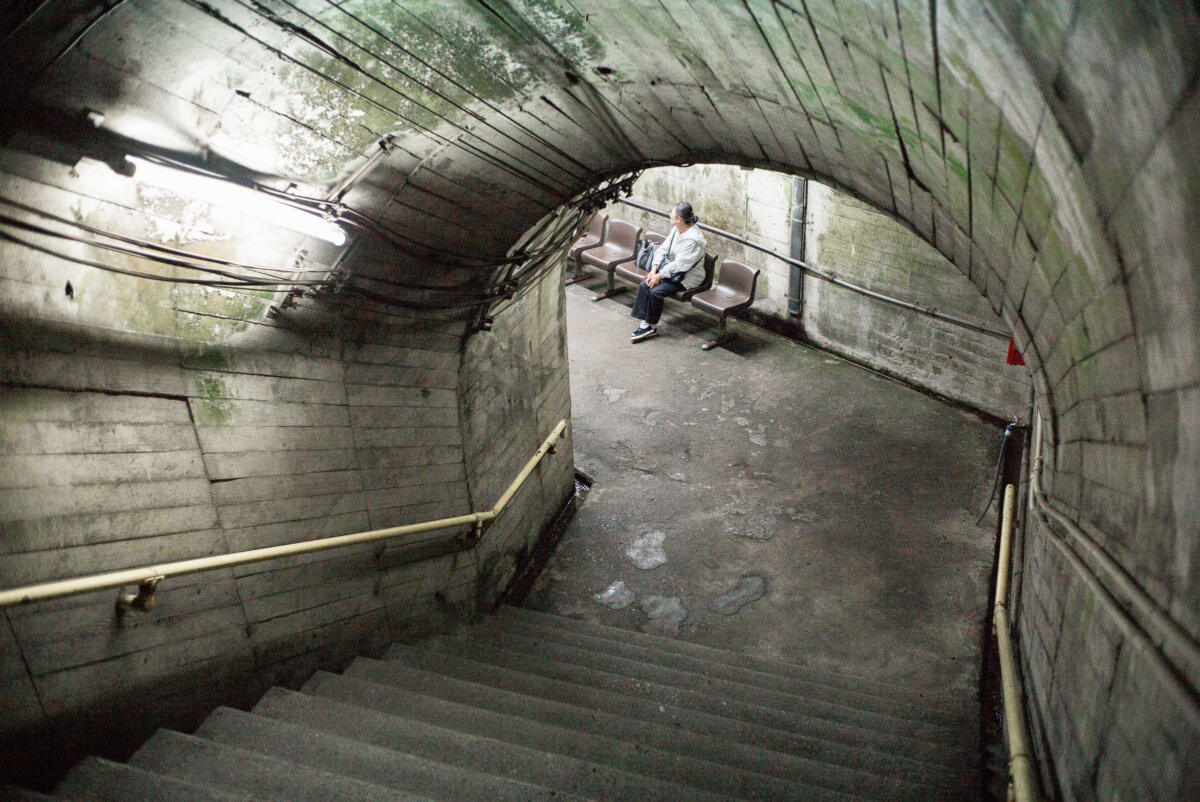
column 643, row 254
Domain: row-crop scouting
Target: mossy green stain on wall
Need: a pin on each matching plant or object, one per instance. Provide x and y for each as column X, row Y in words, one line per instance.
column 877, row 123
column 212, row 413
column 872, row 249
column 210, row 387
column 221, row 314
column 210, row 403
column 205, row 357
column 957, row 167
column 434, row 62
column 565, row 28
column 189, row 312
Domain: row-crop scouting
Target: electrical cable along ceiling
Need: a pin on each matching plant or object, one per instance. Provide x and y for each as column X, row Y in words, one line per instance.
column 321, row 108
column 443, row 128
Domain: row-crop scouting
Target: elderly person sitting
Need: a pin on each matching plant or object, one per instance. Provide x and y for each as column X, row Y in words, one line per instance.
column 679, row 253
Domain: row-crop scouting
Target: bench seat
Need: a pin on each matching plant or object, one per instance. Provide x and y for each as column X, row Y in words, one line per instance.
column 635, row 275
column 616, row 249
column 733, row 293
column 592, row 237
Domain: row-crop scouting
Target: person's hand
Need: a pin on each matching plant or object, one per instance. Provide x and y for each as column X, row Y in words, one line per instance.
column 653, row 279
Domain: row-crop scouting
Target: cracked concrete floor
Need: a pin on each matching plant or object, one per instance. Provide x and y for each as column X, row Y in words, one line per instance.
column 852, row 496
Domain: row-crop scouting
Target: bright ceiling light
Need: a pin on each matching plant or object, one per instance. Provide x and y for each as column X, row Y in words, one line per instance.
column 242, row 199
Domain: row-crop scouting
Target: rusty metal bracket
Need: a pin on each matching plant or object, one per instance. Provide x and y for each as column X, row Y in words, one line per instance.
column 143, row 600
column 289, row 301
column 602, row 196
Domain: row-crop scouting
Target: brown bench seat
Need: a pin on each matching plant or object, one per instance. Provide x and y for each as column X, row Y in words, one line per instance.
column 629, row 271
column 733, row 293
column 592, row 237
column 634, row 275
column 617, row 248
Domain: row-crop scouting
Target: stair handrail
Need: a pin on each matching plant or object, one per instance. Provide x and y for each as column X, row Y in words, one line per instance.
column 148, row 577
column 1020, row 763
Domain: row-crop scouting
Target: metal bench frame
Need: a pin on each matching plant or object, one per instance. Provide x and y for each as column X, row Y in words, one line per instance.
column 592, row 237
column 733, row 293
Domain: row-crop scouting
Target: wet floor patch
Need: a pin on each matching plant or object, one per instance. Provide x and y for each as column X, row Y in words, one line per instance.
column 666, row 613
column 613, row 394
column 647, row 551
column 615, row 596
column 750, row 588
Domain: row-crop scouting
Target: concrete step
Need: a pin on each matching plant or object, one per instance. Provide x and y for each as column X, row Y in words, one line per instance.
column 900, row 700
column 823, row 736
column 456, row 745
column 97, row 778
column 374, row 766
column 600, row 712
column 578, row 736
column 922, row 716
column 705, row 676
column 229, row 768
column 623, row 699
column 11, row 793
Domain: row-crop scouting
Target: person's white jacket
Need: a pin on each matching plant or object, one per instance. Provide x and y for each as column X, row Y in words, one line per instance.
column 679, row 253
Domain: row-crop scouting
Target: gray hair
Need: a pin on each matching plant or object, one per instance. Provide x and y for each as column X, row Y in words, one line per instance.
column 683, row 210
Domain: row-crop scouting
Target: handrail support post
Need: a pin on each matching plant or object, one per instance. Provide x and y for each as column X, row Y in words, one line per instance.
column 143, row 600
column 477, row 531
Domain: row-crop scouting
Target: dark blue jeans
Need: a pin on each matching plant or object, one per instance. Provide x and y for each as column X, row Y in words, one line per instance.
column 648, row 305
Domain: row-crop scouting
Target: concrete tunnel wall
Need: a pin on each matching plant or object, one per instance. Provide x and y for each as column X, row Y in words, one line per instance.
column 1046, row 148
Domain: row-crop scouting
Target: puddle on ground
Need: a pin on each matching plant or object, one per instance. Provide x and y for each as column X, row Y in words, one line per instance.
column 616, row 596
column 647, row 551
column 750, row 588
column 613, row 394
column 666, row 613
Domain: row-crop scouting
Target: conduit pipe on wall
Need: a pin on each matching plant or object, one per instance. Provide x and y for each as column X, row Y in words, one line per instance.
column 832, row 278
column 149, row 577
column 1154, row 633
column 799, row 245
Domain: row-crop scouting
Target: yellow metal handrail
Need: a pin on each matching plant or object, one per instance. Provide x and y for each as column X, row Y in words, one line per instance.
column 1020, row 764
column 149, row 576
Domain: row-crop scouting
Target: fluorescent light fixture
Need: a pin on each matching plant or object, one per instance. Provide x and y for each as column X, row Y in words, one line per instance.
column 233, row 196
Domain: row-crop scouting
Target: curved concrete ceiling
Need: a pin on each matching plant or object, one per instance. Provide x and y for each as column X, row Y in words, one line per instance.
column 1047, row 148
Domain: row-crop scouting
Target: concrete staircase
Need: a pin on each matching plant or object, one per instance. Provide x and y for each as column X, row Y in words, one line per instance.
column 527, row 706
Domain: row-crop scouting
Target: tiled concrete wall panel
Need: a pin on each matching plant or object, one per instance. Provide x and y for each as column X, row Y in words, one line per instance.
column 515, row 392
column 869, row 249
column 1097, row 694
